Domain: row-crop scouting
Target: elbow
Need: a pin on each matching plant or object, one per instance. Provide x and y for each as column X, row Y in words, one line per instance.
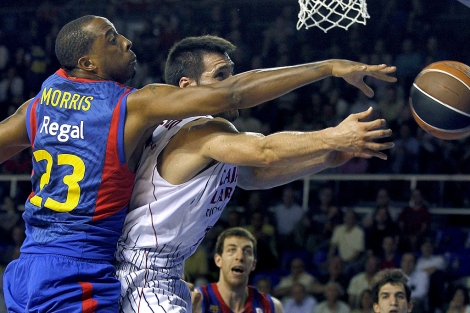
column 249, row 179
column 235, row 99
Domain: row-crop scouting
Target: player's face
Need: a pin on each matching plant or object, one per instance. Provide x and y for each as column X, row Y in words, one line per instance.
column 218, row 67
column 392, row 299
column 111, row 52
column 237, row 261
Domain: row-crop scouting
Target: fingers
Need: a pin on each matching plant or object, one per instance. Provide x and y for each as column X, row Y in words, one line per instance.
column 377, row 154
column 363, row 115
column 369, row 92
column 196, row 301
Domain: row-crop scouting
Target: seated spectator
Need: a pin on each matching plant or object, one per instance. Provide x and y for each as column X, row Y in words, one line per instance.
column 299, row 301
column 428, row 261
column 362, row 281
column 286, row 213
column 313, row 232
column 196, row 267
column 435, row 266
column 366, row 302
column 413, row 222
column 298, row 274
column 382, row 225
column 332, row 303
column 265, row 235
column 9, row 217
column 390, row 258
column 418, row 281
column 348, row 242
column 460, row 301
column 404, row 156
column 265, row 285
column 335, row 274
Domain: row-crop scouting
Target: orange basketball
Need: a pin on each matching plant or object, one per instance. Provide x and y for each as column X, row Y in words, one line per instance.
column 440, row 100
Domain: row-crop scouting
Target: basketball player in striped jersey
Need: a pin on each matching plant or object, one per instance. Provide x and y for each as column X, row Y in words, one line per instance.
column 235, row 256
column 190, row 168
column 84, row 127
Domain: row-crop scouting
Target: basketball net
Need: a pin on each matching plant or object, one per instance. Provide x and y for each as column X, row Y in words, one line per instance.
column 326, row 14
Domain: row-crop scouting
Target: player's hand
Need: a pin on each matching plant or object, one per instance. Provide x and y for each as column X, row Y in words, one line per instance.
column 354, row 72
column 196, row 301
column 356, row 138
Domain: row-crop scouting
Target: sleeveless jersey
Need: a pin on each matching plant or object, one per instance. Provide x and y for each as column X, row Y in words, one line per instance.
column 81, row 185
column 167, row 222
column 212, row 301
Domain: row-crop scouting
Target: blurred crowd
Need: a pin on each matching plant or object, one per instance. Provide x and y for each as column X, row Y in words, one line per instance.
column 329, row 242
column 326, row 257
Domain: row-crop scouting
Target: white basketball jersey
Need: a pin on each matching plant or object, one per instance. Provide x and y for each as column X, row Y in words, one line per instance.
column 166, row 223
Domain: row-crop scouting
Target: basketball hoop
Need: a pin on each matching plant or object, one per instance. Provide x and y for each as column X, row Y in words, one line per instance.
column 326, row 14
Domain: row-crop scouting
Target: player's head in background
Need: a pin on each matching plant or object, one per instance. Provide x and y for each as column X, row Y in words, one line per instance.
column 235, row 255
column 90, row 46
column 201, row 60
column 390, row 292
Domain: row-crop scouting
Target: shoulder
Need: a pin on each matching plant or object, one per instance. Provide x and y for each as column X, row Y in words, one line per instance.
column 278, row 308
column 208, row 126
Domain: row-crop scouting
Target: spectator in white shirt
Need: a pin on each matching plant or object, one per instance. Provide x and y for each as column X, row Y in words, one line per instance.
column 299, row 301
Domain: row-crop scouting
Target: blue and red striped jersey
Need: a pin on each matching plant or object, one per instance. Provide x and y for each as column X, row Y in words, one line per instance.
column 81, row 185
column 212, row 301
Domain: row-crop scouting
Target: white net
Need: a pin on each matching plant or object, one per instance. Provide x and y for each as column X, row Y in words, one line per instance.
column 326, row 14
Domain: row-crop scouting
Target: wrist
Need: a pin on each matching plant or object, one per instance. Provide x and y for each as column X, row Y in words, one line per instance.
column 327, row 139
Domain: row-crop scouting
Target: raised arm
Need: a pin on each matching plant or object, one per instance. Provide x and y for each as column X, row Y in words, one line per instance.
column 13, row 134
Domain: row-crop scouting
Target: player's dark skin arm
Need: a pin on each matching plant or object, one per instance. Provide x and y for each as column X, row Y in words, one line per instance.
column 13, row 141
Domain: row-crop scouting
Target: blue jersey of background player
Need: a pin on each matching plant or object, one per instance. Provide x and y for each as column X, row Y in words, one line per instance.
column 235, row 257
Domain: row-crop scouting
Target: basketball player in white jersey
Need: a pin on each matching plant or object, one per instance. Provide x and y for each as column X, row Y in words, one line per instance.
column 190, row 168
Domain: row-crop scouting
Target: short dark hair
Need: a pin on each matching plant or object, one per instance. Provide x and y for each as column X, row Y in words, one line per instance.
column 73, row 42
column 186, row 57
column 393, row 276
column 234, row 232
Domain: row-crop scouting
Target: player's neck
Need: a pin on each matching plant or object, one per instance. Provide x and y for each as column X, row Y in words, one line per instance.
column 79, row 73
column 235, row 297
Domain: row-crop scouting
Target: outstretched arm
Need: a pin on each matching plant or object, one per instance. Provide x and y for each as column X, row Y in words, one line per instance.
column 217, row 139
column 13, row 134
column 248, row 89
column 154, row 103
column 284, row 148
column 252, row 178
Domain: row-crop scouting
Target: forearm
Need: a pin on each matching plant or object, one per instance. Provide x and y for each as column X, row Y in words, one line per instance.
column 257, row 86
column 250, row 178
column 7, row 153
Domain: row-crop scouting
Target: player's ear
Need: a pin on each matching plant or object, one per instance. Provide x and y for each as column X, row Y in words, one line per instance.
column 376, row 307
column 185, row 82
column 410, row 307
column 86, row 64
column 218, row 260
column 253, row 266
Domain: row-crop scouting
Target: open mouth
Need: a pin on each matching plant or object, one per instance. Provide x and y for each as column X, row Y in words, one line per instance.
column 238, row 269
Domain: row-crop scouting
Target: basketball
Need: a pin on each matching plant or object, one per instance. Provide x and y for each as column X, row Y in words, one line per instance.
column 440, row 100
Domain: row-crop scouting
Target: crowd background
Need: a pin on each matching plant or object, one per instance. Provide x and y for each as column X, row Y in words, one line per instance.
column 398, row 230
